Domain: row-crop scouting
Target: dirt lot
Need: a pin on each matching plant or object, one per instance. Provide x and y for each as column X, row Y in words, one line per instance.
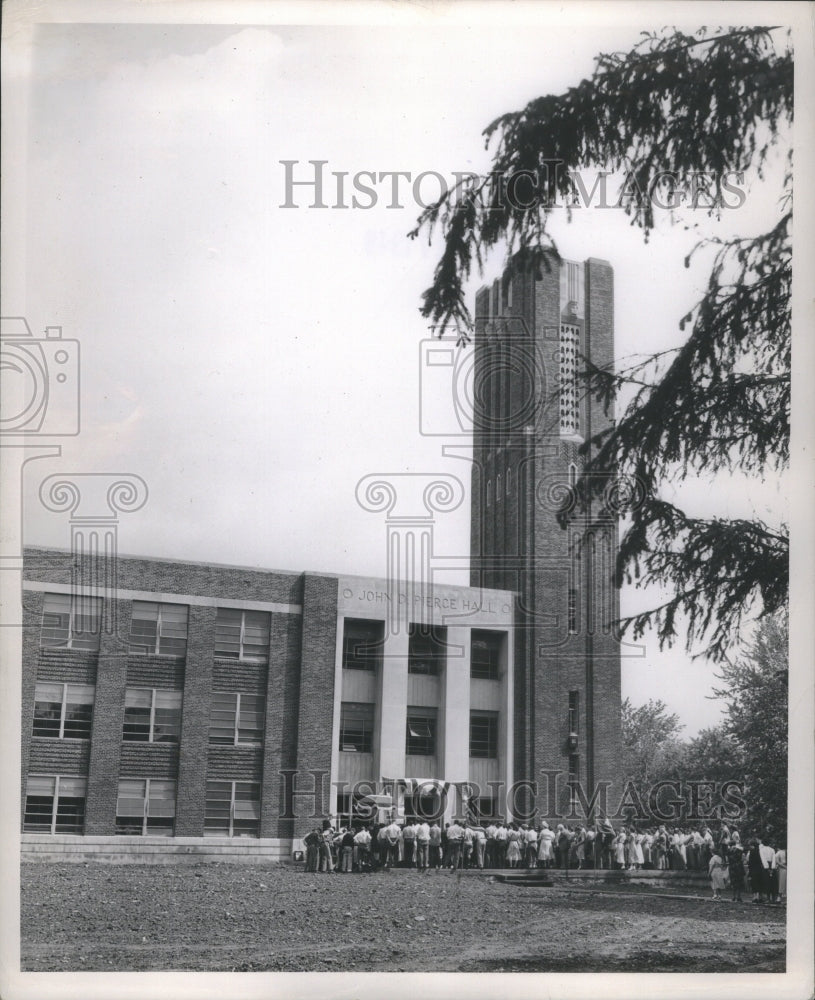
column 222, row 917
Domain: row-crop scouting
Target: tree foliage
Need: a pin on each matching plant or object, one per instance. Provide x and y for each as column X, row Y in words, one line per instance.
column 755, row 688
column 675, row 105
column 649, row 739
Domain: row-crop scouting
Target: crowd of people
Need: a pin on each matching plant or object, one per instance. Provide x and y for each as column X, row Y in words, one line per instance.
column 425, row 844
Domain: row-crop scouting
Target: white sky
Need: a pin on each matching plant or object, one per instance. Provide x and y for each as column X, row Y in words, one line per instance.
column 252, row 363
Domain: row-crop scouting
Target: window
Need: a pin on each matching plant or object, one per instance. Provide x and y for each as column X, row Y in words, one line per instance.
column 574, row 711
column 54, row 804
column 236, row 718
column 63, row 711
column 70, row 622
column 483, row 808
column 489, row 492
column 484, row 734
column 421, row 732
column 498, row 487
column 152, row 715
column 569, row 348
column 356, row 727
column 424, row 808
column 232, row 809
column 508, row 487
column 158, row 628
column 145, row 806
column 572, row 475
column 426, row 649
column 572, row 611
column 351, row 810
column 362, row 645
column 242, row 635
column 485, row 655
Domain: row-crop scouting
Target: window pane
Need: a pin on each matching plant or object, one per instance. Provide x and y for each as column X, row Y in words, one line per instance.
column 222, row 718
column 130, row 807
column 171, row 646
column 485, row 655
column 162, row 798
column 137, row 714
column 362, row 645
column 173, row 629
column 39, row 784
column 47, row 710
column 138, row 698
column 217, row 808
column 483, row 735
column 56, row 618
column 160, row 826
column 228, row 632
column 421, row 733
column 130, row 826
column 38, row 812
column 87, row 620
column 78, row 722
column 356, row 727
column 250, row 726
column 72, row 786
column 426, row 652
column 70, row 814
column 167, row 717
column 143, row 630
column 246, row 821
column 256, row 636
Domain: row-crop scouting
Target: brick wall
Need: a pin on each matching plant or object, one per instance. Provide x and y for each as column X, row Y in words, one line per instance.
column 177, row 577
column 549, row 663
column 106, row 734
column 316, row 710
column 192, row 761
column 282, row 714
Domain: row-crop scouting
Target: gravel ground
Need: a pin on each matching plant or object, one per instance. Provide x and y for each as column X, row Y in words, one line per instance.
column 223, row 917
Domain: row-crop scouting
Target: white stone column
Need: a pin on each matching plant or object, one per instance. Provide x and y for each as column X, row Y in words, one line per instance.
column 455, row 723
column 392, row 707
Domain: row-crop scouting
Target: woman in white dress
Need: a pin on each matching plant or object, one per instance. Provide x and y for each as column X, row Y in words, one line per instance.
column 619, row 848
column 780, row 863
column 546, row 839
column 513, row 846
column 637, row 857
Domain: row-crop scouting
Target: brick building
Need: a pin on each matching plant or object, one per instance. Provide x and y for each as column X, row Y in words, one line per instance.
column 200, row 709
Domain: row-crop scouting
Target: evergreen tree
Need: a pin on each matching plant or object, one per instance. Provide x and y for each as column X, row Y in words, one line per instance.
column 676, row 105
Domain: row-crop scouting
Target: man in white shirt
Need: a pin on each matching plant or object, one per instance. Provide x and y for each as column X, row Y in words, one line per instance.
column 455, row 838
column 490, row 849
column 479, row 845
column 767, row 855
column 467, row 844
column 392, row 836
column 362, row 849
column 531, row 846
column 501, row 837
column 409, row 838
column 695, row 851
column 422, row 844
column 435, row 845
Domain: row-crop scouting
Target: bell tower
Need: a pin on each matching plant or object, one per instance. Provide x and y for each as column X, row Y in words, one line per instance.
column 534, row 328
